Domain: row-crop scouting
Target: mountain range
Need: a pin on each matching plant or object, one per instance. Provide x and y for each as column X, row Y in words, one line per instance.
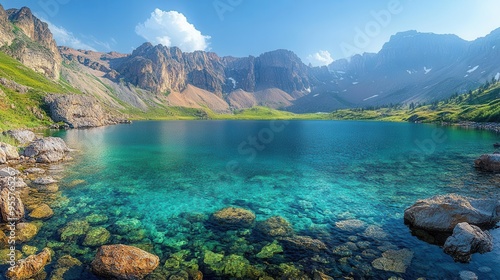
column 411, row 67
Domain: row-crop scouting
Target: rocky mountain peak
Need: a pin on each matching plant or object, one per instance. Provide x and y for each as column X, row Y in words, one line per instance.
column 45, row 60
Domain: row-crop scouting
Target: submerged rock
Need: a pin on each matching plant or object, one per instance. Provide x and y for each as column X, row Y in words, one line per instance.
column 22, row 136
column 31, row 266
column 232, row 217
column 47, row 150
column 375, row 232
column 489, row 162
column 123, row 262
column 394, row 260
column 96, row 237
column 42, row 212
column 304, row 243
column 26, row 231
column 270, row 250
column 444, row 212
column 63, row 266
column 73, row 230
column 467, row 275
column 29, row 250
column 11, row 205
column 275, row 227
column 351, row 225
column 467, row 240
column 96, row 219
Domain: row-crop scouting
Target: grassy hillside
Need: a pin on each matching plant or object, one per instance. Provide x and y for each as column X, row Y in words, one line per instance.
column 481, row 105
column 25, row 109
column 265, row 113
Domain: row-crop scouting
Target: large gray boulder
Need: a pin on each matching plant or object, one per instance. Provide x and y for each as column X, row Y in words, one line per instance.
column 23, row 136
column 467, row 240
column 47, row 150
column 489, row 162
column 78, row 111
column 442, row 213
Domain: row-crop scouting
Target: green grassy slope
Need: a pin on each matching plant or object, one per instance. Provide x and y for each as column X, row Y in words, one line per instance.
column 25, row 109
column 481, row 105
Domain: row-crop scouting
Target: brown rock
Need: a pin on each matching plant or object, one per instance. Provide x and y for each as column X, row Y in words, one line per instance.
column 232, row 217
column 123, row 262
column 31, row 266
column 275, row 226
column 42, row 212
column 26, row 231
column 304, row 243
column 12, row 209
column 489, row 162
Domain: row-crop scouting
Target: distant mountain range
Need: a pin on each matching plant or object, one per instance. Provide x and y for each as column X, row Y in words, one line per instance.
column 411, row 67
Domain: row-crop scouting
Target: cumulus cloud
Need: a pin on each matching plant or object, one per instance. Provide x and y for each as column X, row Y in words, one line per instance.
column 320, row 58
column 172, row 29
column 64, row 37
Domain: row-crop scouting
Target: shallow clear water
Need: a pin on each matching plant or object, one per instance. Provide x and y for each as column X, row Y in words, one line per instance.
column 313, row 173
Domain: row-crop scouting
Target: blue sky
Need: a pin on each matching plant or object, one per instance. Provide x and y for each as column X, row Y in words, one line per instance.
column 318, row 31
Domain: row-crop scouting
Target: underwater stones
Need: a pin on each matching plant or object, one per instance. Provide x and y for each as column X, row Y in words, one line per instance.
column 4, row 240
column 29, row 250
column 374, row 232
column 321, row 276
column 123, row 262
column 31, row 266
column 47, row 150
column 75, row 183
column 275, row 226
column 213, row 260
column 394, row 260
column 304, row 243
column 270, row 250
column 63, row 265
column 34, row 170
column 73, row 230
column 467, row 275
column 11, row 205
column 467, row 240
column 127, row 225
column 96, row 237
column 44, row 181
column 26, row 231
column 444, row 212
column 96, row 219
column 350, row 225
column 42, row 212
column 289, row 271
column 6, row 255
column 489, row 162
column 232, row 217
column 342, row 251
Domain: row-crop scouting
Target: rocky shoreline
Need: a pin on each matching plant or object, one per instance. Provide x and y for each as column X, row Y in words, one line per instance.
column 489, row 126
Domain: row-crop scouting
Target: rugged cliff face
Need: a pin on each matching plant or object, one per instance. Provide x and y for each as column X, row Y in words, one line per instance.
column 30, row 41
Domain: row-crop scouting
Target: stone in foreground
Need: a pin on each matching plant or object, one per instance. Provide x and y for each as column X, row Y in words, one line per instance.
column 442, row 213
column 467, row 240
column 47, row 150
column 123, row 262
column 489, row 162
column 31, row 266
column 394, row 260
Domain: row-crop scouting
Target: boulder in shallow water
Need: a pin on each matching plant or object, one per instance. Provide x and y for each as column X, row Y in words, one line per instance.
column 275, row 226
column 96, row 237
column 442, row 213
column 47, row 150
column 489, row 162
column 31, row 266
column 11, row 205
column 232, row 217
column 394, row 260
column 123, row 262
column 73, row 230
column 42, row 212
column 26, row 231
column 467, row 240
column 9, row 151
column 304, row 243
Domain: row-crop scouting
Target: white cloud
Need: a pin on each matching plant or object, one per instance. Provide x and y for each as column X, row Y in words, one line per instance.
column 64, row 37
column 320, row 58
column 172, row 29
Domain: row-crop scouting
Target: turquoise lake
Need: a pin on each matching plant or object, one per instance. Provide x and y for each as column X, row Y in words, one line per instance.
column 162, row 179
